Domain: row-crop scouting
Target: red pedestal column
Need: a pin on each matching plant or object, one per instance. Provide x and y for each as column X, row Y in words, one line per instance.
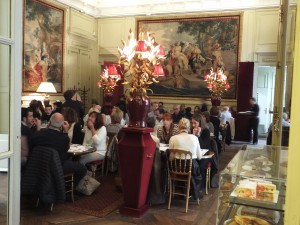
column 136, row 152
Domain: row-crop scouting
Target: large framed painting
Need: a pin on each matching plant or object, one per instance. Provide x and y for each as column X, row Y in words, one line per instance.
column 194, row 45
column 43, row 42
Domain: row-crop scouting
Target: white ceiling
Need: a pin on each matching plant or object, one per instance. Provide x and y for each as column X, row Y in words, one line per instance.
column 120, row 8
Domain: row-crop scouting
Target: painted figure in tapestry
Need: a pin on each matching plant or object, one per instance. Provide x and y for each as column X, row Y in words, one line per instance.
column 43, row 45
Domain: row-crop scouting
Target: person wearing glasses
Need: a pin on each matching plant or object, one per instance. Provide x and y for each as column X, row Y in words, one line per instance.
column 177, row 114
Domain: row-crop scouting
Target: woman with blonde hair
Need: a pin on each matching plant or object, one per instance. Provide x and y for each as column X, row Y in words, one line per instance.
column 189, row 142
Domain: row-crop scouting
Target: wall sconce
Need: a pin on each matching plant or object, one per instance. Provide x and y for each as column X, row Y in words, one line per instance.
column 46, row 87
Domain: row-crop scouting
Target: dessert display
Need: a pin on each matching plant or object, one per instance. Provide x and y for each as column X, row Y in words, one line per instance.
column 252, row 187
column 256, row 189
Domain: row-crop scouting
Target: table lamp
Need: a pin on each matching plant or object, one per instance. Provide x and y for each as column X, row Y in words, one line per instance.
column 46, row 87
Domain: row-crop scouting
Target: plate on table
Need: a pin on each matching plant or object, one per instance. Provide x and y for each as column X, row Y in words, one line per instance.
column 77, row 148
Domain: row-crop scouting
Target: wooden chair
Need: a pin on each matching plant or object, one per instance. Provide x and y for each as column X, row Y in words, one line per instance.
column 223, row 132
column 179, row 169
column 69, row 181
column 94, row 165
column 207, row 181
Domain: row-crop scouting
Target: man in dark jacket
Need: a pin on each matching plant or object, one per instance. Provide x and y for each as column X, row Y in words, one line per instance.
column 254, row 120
column 56, row 137
column 177, row 114
column 76, row 105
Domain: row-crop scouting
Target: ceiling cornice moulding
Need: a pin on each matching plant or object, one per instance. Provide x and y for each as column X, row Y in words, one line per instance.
column 110, row 8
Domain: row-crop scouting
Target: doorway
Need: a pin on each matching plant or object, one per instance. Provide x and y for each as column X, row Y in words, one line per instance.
column 264, row 94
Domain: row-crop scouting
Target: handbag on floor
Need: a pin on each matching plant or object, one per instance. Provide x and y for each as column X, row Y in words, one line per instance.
column 87, row 185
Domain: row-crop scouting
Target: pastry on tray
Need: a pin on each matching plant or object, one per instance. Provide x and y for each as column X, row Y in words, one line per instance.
column 268, row 215
column 250, row 220
column 226, row 186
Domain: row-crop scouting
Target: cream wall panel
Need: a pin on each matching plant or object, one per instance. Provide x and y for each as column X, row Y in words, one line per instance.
column 85, row 69
column 246, row 38
column 111, row 32
column 82, row 25
column 267, row 29
column 73, row 73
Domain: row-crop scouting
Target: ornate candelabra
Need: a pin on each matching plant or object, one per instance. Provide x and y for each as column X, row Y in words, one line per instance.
column 217, row 84
column 142, row 66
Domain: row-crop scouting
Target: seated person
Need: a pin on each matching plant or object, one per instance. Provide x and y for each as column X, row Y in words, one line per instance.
column 105, row 113
column 56, row 106
column 205, row 143
column 169, row 129
column 116, row 118
column 225, row 115
column 209, row 124
column 26, row 133
column 74, row 132
column 95, row 135
column 47, row 114
column 189, row 142
column 285, row 131
column 56, row 137
column 214, row 118
column 36, row 122
column 151, row 123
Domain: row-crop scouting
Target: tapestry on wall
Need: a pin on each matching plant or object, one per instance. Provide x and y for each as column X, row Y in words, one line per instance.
column 42, row 45
column 193, row 46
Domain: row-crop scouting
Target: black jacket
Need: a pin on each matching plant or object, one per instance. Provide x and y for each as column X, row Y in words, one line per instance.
column 43, row 176
column 52, row 139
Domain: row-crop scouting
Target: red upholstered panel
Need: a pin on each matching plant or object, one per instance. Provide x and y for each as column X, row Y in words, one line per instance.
column 245, row 85
column 244, row 93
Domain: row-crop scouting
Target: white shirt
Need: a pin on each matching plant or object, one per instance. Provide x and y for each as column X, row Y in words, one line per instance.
column 225, row 116
column 188, row 142
column 70, row 131
column 98, row 140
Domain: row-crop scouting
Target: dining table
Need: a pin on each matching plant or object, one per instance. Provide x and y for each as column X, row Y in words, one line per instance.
column 77, row 150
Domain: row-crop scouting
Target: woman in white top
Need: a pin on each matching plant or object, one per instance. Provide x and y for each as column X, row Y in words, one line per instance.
column 95, row 135
column 189, row 142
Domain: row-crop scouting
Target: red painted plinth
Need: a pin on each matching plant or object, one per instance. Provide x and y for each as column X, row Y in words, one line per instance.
column 136, row 152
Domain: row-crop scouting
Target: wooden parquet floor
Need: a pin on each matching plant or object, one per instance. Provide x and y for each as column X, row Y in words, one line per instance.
column 202, row 214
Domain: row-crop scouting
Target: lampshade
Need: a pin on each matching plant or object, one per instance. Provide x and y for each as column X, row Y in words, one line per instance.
column 113, row 73
column 158, row 71
column 46, row 87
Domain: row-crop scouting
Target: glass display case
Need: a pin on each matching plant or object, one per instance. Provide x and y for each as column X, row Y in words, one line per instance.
column 252, row 187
